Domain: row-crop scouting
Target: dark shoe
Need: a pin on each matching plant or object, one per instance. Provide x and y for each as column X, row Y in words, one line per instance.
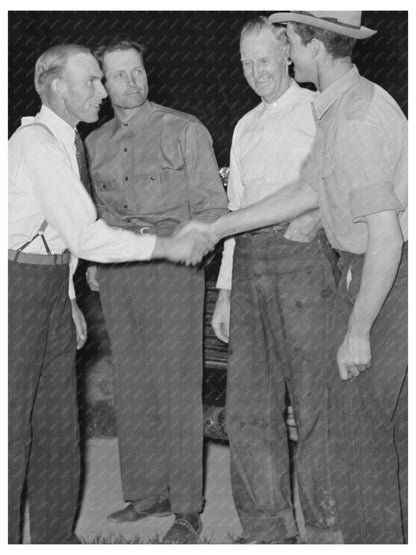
column 279, row 541
column 185, row 529
column 141, row 509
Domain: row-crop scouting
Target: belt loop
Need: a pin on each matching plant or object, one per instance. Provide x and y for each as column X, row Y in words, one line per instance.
column 17, row 255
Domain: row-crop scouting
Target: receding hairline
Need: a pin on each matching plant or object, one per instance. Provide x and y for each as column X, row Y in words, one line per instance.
column 257, row 25
column 53, row 62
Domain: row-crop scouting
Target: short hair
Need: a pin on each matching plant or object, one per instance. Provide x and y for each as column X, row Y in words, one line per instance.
column 257, row 24
column 337, row 45
column 52, row 64
column 118, row 43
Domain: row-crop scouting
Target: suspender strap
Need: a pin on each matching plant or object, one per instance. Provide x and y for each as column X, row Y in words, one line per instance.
column 40, row 233
column 44, row 224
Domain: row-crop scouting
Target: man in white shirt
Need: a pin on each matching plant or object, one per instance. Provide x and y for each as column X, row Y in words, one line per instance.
column 279, row 283
column 50, row 214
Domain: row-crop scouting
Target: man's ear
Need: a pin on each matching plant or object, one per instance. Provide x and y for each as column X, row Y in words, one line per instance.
column 316, row 46
column 286, row 50
column 58, row 87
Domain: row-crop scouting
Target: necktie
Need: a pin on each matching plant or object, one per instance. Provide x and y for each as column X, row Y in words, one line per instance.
column 82, row 162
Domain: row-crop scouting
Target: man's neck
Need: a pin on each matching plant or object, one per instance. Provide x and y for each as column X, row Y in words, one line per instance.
column 125, row 114
column 332, row 71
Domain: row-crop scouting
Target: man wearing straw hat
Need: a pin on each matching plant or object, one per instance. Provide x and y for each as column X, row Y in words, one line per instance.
column 357, row 175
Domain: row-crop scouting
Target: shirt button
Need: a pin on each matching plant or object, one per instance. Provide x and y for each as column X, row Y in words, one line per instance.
column 125, row 150
column 126, row 206
column 126, row 179
column 125, row 124
column 128, row 221
column 152, row 177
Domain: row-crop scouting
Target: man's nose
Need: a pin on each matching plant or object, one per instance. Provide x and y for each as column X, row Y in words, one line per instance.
column 101, row 91
column 131, row 80
column 257, row 71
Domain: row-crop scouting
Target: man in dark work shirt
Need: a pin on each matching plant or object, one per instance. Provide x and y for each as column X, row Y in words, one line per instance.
column 153, row 168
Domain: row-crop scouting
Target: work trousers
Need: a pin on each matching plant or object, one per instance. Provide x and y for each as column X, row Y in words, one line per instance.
column 368, row 417
column 282, row 292
column 43, row 421
column 154, row 316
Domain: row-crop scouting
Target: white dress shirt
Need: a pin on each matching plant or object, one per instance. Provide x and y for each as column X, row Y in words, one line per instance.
column 44, row 183
column 270, row 144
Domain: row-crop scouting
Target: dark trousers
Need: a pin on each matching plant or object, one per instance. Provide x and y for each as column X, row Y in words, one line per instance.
column 368, row 417
column 43, row 422
column 154, row 316
column 281, row 298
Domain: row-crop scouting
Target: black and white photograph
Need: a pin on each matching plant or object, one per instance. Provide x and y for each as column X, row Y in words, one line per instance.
column 207, row 276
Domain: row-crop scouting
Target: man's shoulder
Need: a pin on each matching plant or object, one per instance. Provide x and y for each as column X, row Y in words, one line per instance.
column 171, row 114
column 249, row 116
column 303, row 94
column 367, row 101
column 100, row 132
column 32, row 133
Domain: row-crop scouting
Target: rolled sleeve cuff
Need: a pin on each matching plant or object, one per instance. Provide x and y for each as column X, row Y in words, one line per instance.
column 373, row 199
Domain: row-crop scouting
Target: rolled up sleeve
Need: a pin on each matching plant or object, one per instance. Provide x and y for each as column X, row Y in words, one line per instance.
column 366, row 167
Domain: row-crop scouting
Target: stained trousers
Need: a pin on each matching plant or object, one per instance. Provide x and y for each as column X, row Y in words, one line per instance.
column 368, row 417
column 43, row 422
column 282, row 292
column 154, row 315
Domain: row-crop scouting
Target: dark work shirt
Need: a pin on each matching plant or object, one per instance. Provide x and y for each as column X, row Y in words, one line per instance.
column 157, row 169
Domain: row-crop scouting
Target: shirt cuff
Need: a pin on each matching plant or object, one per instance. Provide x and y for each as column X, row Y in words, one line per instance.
column 373, row 199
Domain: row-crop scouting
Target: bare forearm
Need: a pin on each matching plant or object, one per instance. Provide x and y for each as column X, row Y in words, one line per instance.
column 381, row 262
column 284, row 205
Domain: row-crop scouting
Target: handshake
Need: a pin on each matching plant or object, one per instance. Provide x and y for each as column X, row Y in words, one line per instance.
column 189, row 244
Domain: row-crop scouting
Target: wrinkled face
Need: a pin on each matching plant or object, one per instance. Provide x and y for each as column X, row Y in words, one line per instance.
column 264, row 64
column 125, row 78
column 301, row 56
column 83, row 91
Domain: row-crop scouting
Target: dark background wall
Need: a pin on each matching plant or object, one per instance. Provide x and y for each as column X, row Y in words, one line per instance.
column 192, row 61
column 193, row 65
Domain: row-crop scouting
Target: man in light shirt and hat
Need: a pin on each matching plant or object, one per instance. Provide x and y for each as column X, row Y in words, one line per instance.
column 357, row 175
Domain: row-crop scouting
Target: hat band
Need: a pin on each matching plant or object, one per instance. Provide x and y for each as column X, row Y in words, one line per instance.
column 330, row 19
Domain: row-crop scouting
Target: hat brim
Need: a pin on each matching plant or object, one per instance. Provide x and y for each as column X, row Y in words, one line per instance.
column 290, row 17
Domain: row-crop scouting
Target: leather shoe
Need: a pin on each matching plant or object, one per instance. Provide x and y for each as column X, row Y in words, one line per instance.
column 134, row 512
column 185, row 529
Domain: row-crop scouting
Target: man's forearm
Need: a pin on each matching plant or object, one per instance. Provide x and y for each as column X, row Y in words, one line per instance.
column 284, row 205
column 381, row 262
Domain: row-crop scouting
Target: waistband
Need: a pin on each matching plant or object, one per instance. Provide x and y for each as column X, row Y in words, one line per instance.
column 269, row 230
column 161, row 230
column 40, row 259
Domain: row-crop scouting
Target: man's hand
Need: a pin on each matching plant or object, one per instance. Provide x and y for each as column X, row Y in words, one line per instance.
column 91, row 275
column 221, row 316
column 203, row 229
column 186, row 247
column 304, row 228
column 354, row 355
column 80, row 324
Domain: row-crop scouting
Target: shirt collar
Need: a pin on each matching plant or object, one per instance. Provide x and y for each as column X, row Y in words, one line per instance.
column 134, row 123
column 285, row 99
column 60, row 128
column 324, row 100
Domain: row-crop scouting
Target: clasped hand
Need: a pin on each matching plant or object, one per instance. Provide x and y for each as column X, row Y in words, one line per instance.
column 191, row 243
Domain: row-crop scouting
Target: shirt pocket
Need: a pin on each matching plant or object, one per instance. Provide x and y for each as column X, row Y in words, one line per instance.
column 106, row 191
column 148, row 194
column 174, row 189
